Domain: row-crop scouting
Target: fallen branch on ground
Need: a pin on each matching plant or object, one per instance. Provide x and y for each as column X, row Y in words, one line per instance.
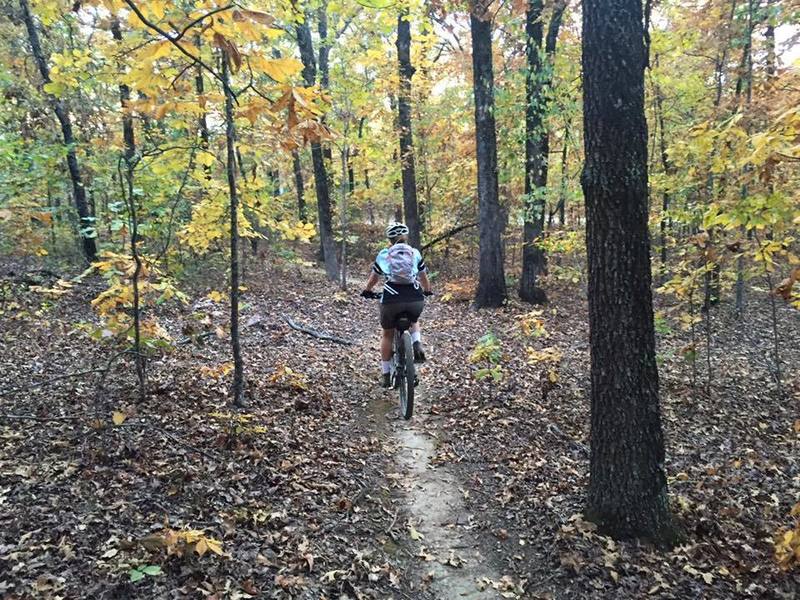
column 316, row 334
column 35, row 418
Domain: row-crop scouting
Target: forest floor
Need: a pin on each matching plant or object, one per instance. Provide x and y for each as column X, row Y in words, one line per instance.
column 317, row 490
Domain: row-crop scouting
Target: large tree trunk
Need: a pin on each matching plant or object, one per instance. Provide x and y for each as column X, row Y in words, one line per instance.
column 237, row 391
column 491, row 278
column 321, row 182
column 537, row 143
column 536, row 151
column 628, row 487
column 406, row 71
column 87, row 231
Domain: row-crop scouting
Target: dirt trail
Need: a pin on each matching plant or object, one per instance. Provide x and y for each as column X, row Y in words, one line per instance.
column 449, row 555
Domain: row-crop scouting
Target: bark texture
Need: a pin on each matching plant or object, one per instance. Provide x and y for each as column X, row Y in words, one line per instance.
column 491, row 278
column 297, row 168
column 321, row 181
column 406, row 71
column 87, row 229
column 537, row 143
column 628, row 487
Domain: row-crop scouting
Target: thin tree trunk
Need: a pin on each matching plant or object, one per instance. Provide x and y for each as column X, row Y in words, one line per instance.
column 297, row 167
column 344, row 192
column 237, row 391
column 628, row 486
column 321, row 181
column 129, row 139
column 87, row 231
column 491, row 277
column 769, row 36
column 745, row 83
column 668, row 169
column 406, row 72
column 202, row 122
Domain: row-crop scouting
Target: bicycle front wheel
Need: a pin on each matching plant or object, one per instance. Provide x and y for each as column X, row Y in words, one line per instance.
column 406, row 358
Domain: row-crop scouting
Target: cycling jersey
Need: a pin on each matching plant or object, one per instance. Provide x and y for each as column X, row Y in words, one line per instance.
column 393, row 292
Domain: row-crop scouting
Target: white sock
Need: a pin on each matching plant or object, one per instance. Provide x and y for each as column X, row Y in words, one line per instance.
column 416, row 336
column 386, row 366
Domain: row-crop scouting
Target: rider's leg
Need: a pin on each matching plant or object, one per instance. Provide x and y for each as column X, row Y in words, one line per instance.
column 386, row 344
column 416, row 339
column 386, row 357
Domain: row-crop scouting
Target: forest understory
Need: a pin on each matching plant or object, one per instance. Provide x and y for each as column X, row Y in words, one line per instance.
column 305, row 492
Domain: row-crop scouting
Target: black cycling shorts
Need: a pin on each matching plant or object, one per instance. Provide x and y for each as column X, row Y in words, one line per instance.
column 390, row 312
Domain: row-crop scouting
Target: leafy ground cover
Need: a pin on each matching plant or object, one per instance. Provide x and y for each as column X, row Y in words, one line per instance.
column 303, row 494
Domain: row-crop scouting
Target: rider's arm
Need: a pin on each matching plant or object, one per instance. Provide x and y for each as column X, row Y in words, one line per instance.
column 423, row 279
column 371, row 281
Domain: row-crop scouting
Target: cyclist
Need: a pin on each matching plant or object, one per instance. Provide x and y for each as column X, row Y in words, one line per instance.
column 404, row 270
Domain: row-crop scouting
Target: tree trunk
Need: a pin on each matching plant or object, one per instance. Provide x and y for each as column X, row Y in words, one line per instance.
column 87, row 230
column 628, row 487
column 237, row 391
column 297, row 167
column 491, row 278
column 537, row 143
column 321, row 181
column 668, row 169
column 202, row 121
column 769, row 36
column 536, row 151
column 406, row 71
column 129, row 140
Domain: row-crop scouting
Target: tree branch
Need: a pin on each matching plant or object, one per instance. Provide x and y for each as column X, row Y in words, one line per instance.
column 174, row 41
column 448, row 234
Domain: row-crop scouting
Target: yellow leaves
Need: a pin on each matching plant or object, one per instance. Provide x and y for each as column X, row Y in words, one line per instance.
column 205, row 159
column 532, row 325
column 181, row 542
column 787, row 545
column 216, row 296
column 546, row 355
column 295, row 231
column 216, row 372
column 55, row 88
column 285, row 376
column 156, row 50
column 279, row 69
column 118, row 417
column 155, row 9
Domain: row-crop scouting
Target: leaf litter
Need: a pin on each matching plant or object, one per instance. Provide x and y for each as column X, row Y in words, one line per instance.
column 299, row 495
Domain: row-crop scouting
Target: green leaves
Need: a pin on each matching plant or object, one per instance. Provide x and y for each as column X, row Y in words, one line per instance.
column 140, row 573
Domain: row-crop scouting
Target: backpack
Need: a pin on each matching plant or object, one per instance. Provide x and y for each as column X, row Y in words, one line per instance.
column 401, row 264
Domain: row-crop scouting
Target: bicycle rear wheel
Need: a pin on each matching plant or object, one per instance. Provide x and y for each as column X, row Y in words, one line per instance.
column 405, row 357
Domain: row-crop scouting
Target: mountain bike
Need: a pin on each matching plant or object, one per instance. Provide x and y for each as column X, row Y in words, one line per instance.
column 403, row 372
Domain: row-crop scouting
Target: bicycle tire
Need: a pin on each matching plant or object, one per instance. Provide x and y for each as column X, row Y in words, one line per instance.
column 409, row 375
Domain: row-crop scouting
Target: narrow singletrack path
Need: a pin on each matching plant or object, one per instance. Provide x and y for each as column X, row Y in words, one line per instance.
column 450, row 551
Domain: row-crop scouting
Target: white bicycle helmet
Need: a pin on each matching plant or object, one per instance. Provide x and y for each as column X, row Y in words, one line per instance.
column 396, row 230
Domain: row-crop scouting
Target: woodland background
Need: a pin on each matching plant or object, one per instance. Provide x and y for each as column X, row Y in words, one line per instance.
column 167, row 429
